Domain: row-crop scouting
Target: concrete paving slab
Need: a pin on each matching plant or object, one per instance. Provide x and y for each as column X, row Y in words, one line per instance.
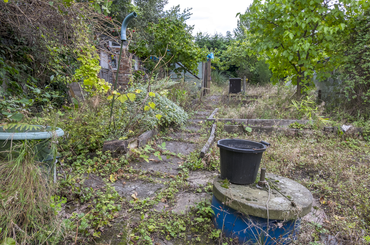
column 180, row 147
column 202, row 114
column 140, row 188
column 168, row 164
column 201, row 178
column 185, row 136
column 185, row 200
column 93, row 181
column 193, row 128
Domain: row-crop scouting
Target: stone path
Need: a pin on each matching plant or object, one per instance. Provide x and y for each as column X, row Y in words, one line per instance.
column 180, row 143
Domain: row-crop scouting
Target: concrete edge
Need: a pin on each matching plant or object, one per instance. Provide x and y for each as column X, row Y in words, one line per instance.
column 289, row 131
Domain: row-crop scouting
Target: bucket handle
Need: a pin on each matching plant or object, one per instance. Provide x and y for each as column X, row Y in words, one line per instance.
column 265, row 143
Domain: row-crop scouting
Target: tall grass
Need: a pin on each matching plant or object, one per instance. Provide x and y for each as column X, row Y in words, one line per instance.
column 26, row 214
column 218, row 77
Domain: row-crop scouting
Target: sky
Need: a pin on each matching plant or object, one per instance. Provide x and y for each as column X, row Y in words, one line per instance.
column 212, row 16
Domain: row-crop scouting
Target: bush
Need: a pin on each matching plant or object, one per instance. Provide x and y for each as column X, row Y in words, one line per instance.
column 356, row 74
column 218, row 78
column 88, row 125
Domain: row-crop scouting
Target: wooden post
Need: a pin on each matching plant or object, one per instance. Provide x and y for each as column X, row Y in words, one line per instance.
column 208, row 76
column 244, row 84
column 205, row 75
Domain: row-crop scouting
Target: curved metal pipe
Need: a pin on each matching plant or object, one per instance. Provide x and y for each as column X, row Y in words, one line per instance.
column 124, row 25
column 123, row 38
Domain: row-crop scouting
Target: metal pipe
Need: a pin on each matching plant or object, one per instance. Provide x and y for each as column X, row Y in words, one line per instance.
column 263, row 174
column 125, row 23
column 262, row 182
column 123, row 38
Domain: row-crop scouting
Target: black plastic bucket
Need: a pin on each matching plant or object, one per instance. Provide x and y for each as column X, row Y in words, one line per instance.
column 240, row 160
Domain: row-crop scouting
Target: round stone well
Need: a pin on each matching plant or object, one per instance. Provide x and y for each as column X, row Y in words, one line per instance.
column 257, row 215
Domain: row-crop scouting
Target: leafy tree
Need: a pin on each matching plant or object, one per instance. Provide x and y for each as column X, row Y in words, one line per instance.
column 297, row 37
column 217, row 44
column 356, row 63
column 237, row 55
column 241, row 26
column 213, row 43
column 171, row 42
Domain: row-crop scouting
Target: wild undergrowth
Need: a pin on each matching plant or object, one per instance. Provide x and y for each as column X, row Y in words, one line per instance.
column 28, row 208
column 335, row 168
column 272, row 102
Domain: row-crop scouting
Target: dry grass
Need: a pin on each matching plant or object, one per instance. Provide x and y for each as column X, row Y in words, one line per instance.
column 335, row 169
column 268, row 102
column 25, row 209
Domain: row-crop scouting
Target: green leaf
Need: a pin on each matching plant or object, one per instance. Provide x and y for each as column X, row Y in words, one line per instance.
column 122, row 98
column 248, row 129
column 17, row 117
column 8, row 241
column 152, row 105
column 131, row 96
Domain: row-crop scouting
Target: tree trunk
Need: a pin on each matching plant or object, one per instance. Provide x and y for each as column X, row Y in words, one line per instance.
column 299, row 79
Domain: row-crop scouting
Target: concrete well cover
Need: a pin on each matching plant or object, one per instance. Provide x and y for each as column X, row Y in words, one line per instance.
column 288, row 199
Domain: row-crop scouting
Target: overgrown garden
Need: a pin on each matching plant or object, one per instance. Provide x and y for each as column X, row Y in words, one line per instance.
column 285, row 50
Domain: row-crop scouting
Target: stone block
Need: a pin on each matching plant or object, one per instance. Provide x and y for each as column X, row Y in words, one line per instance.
column 233, row 128
column 116, row 147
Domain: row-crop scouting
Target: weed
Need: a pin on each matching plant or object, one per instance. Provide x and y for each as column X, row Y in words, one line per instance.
column 28, row 209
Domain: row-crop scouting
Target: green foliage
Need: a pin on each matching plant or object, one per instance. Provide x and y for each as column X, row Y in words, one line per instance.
column 88, row 72
column 238, row 55
column 27, row 211
column 218, row 77
column 213, row 43
column 170, row 41
column 183, row 94
column 297, row 125
column 104, row 205
column 225, row 183
column 355, row 72
column 306, row 107
column 297, row 39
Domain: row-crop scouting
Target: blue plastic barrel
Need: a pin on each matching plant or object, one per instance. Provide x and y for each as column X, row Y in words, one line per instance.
column 251, row 229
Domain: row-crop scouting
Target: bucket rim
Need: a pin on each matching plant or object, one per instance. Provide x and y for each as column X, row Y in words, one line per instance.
column 253, row 150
